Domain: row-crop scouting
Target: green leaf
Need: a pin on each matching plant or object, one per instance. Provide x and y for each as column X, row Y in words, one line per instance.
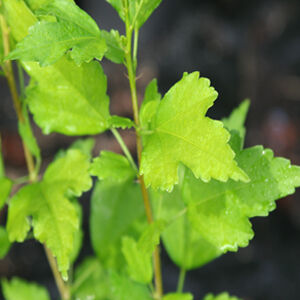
column 143, row 10
column 115, row 49
column 183, row 243
column 139, row 254
column 116, row 210
column 149, row 105
column 54, row 218
column 4, row 242
column 236, row 121
column 5, row 188
column 123, row 289
column 86, row 146
column 121, row 122
column 138, row 10
column 113, row 167
column 47, row 41
column 53, row 108
column 78, row 237
column 222, row 296
column 178, row 296
column 208, row 219
column 183, row 134
column 91, row 281
column 224, row 209
column 19, row 289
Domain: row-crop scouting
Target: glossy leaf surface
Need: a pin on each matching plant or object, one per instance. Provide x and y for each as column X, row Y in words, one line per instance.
column 48, row 41
column 183, row 134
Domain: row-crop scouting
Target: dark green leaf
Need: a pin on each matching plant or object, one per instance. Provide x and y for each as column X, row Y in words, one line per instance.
column 91, row 281
column 4, row 242
column 116, row 210
column 124, row 289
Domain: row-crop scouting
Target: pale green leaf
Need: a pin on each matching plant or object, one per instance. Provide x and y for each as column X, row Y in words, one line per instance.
column 5, row 188
column 178, row 296
column 121, row 122
column 139, row 254
column 149, row 105
column 222, row 296
column 19, row 289
column 118, row 6
column 183, row 134
column 47, row 41
column 73, row 109
column 72, row 170
column 116, row 210
column 124, row 289
column 4, row 242
column 56, row 100
column 236, row 121
column 112, row 166
column 1, row 47
column 91, row 281
column 54, row 217
column 115, row 49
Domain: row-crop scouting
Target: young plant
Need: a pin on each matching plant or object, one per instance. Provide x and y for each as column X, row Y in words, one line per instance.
column 193, row 185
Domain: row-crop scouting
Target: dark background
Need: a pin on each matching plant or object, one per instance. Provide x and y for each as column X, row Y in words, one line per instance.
column 247, row 49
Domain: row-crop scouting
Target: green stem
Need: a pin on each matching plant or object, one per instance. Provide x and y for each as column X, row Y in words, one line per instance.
column 124, row 148
column 181, row 279
column 135, row 48
column 21, row 80
column 132, row 82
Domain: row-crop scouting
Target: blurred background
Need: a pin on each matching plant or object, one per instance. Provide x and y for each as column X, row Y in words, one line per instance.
column 248, row 49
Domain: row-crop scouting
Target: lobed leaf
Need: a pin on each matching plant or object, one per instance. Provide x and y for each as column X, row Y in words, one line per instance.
column 113, row 167
column 183, row 134
column 54, row 217
column 48, row 41
column 218, row 213
column 18, row 289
